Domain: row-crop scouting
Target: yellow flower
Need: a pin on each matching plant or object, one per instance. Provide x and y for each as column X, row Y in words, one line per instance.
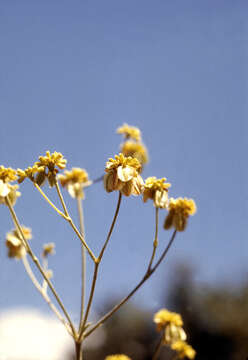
column 75, row 181
column 14, row 243
column 123, row 175
column 7, row 174
column 129, row 132
column 43, row 169
column 136, row 150
column 164, row 317
column 183, row 349
column 117, row 357
column 173, row 333
column 156, row 190
column 10, row 190
column 179, row 211
column 48, row 249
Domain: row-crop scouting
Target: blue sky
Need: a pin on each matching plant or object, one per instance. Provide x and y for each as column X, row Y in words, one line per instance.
column 71, row 73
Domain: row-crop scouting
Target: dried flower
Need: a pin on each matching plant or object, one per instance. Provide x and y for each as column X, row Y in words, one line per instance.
column 183, row 349
column 43, row 169
column 164, row 317
column 136, row 150
column 75, row 181
column 123, row 175
column 48, row 249
column 117, row 357
column 7, row 174
column 10, row 190
column 14, row 242
column 129, row 132
column 179, row 211
column 156, row 190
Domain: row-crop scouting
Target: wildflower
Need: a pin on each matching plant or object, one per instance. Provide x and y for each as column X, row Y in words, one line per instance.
column 43, row 169
column 14, row 242
column 156, row 190
column 75, row 181
column 164, row 317
column 48, row 249
column 117, row 357
column 183, row 349
column 11, row 191
column 179, row 211
column 136, row 150
column 123, row 175
column 129, row 132
column 7, row 174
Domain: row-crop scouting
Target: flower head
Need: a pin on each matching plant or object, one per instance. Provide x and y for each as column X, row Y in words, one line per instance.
column 156, row 190
column 75, row 181
column 117, row 357
column 43, row 169
column 179, row 211
column 48, row 249
column 7, row 174
column 129, row 132
column 136, row 150
column 14, row 242
column 10, row 190
column 164, row 317
column 122, row 174
column 183, row 349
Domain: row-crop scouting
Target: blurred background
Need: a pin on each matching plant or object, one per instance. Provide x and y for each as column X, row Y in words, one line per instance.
column 71, row 73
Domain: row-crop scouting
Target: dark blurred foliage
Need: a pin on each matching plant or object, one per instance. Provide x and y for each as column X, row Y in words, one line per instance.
column 215, row 320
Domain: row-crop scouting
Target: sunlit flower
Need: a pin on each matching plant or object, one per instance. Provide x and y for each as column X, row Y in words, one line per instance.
column 117, row 357
column 136, row 150
column 183, row 350
column 43, row 169
column 48, row 249
column 129, row 132
column 75, row 181
column 156, row 190
column 7, row 174
column 179, row 211
column 164, row 317
column 11, row 191
column 14, row 242
column 173, row 333
column 123, row 175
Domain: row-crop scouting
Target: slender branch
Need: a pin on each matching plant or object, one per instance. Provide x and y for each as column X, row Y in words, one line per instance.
column 82, row 231
column 38, row 265
column 43, row 293
column 125, row 299
column 158, row 348
column 155, row 243
column 61, row 198
column 50, row 202
column 111, row 227
column 100, row 178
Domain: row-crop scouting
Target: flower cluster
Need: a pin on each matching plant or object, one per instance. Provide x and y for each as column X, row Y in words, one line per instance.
column 133, row 145
column 75, row 181
column 170, row 323
column 156, row 190
column 179, row 211
column 122, row 173
column 43, row 169
column 14, row 242
column 8, row 175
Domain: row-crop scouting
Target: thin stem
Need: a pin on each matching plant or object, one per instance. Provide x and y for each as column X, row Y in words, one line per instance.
column 125, row 299
column 111, row 227
column 78, row 351
column 155, row 243
column 82, row 231
column 36, row 261
column 43, row 293
column 100, row 178
column 158, row 348
column 45, row 267
column 61, row 198
column 50, row 202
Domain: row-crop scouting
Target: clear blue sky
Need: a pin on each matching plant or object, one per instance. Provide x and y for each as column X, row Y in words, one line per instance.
column 71, row 73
